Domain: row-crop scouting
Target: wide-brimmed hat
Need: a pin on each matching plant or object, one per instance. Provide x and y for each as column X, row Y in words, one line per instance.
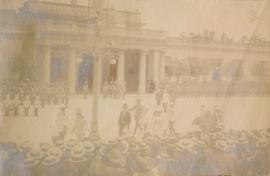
column 60, row 143
column 89, row 146
column 164, row 157
column 78, row 154
column 70, row 144
column 222, row 145
column 51, row 160
column 186, row 143
column 262, row 142
column 55, row 152
column 115, row 156
column 30, row 161
column 36, row 154
column 45, row 147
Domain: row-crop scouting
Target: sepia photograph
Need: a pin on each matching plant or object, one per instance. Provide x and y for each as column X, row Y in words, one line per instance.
column 134, row 87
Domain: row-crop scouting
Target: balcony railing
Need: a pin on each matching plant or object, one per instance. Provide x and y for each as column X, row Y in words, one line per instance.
column 52, row 8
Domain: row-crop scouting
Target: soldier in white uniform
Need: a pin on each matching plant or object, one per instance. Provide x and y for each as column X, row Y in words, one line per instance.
column 26, row 104
column 36, row 105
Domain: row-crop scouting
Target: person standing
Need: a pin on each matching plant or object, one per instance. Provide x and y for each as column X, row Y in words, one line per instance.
column 85, row 89
column 172, row 119
column 124, row 119
column 165, row 100
column 36, row 105
column 61, row 124
column 158, row 96
column 26, row 104
column 138, row 108
column 16, row 104
column 79, row 127
column 7, row 105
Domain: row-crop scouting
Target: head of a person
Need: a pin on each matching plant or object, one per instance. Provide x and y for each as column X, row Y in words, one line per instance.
column 78, row 111
column 62, row 109
column 125, row 107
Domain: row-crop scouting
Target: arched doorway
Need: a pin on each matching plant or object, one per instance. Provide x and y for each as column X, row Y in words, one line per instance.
column 85, row 72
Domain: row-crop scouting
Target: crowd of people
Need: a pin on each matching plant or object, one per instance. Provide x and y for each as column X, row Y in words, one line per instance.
column 211, row 36
column 198, row 152
column 27, row 98
column 114, row 90
column 197, row 89
column 158, row 120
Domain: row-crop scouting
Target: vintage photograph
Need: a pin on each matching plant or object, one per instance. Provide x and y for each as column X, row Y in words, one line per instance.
column 134, row 87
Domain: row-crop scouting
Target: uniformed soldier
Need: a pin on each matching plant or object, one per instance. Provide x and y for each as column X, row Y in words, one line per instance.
column 26, row 104
column 16, row 104
column 36, row 105
column 7, row 105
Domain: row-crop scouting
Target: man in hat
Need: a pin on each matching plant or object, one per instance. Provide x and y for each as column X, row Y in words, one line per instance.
column 138, row 108
column 124, row 119
column 79, row 127
column 61, row 123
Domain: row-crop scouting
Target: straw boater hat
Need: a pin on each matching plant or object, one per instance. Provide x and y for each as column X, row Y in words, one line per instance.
column 114, row 156
column 30, row 162
column 89, row 146
column 33, row 158
column 263, row 142
column 53, row 156
column 60, row 143
column 78, row 154
column 186, row 144
column 164, row 157
column 50, row 160
column 45, row 147
column 222, row 145
column 70, row 144
column 242, row 138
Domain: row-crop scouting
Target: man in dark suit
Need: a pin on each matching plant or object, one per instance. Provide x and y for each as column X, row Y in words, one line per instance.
column 124, row 119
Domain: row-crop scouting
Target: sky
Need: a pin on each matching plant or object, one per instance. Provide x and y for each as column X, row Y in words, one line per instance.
column 234, row 17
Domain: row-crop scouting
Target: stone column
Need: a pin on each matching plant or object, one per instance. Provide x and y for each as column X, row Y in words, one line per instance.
column 121, row 68
column 156, row 56
column 142, row 72
column 47, row 64
column 96, row 89
column 72, row 70
column 161, row 67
